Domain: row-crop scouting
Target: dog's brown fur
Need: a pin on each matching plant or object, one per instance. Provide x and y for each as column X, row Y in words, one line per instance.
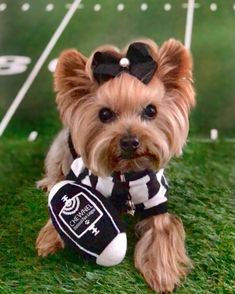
column 160, row 253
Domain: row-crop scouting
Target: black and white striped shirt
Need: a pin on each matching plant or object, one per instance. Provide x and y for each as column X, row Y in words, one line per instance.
column 146, row 190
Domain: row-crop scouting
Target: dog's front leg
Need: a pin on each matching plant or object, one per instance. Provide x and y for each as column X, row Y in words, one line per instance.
column 48, row 240
column 160, row 254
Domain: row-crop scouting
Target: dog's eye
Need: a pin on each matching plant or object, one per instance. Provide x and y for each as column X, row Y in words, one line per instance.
column 106, row 115
column 149, row 112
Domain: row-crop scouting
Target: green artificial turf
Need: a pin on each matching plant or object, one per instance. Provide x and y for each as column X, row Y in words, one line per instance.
column 202, row 193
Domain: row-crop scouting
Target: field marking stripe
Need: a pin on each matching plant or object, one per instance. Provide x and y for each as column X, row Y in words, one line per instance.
column 41, row 60
column 189, row 24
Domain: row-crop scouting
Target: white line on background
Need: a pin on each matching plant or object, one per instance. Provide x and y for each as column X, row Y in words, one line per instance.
column 97, row 7
column 32, row 136
column 144, row 6
column 3, row 6
column 120, row 7
column 25, row 7
column 167, row 7
column 196, row 5
column 49, row 7
column 189, row 24
column 41, row 60
column 213, row 7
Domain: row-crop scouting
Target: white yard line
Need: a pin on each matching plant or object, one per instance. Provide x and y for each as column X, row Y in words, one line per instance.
column 189, row 24
column 41, row 60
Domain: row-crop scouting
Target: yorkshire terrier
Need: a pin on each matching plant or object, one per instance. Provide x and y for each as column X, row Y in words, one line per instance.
column 126, row 111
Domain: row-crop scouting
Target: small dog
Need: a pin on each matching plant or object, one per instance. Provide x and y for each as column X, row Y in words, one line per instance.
column 146, row 109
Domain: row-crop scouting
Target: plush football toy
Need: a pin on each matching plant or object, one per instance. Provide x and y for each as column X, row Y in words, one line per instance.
column 88, row 222
column 85, row 209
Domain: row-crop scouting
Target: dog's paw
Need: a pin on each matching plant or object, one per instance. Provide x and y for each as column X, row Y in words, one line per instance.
column 48, row 240
column 158, row 279
column 160, row 254
column 45, row 184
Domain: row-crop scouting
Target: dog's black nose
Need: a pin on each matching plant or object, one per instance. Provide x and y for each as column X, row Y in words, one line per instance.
column 129, row 143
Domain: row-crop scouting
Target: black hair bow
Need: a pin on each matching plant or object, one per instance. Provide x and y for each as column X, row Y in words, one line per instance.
column 138, row 62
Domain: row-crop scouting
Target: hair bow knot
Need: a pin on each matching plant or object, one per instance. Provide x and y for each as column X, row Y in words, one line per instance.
column 138, row 63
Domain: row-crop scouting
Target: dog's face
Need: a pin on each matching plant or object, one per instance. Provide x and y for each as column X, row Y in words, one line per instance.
column 123, row 124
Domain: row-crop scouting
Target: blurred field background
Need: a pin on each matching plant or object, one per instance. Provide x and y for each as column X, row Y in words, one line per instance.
column 26, row 33
column 203, row 177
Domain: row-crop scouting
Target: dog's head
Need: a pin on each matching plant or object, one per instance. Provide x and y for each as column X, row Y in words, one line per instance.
column 126, row 114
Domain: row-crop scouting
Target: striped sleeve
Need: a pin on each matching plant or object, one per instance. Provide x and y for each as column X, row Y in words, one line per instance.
column 154, row 196
column 82, row 175
column 79, row 173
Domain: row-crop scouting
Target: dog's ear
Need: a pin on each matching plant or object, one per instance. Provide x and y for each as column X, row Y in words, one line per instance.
column 174, row 63
column 71, row 82
column 70, row 73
